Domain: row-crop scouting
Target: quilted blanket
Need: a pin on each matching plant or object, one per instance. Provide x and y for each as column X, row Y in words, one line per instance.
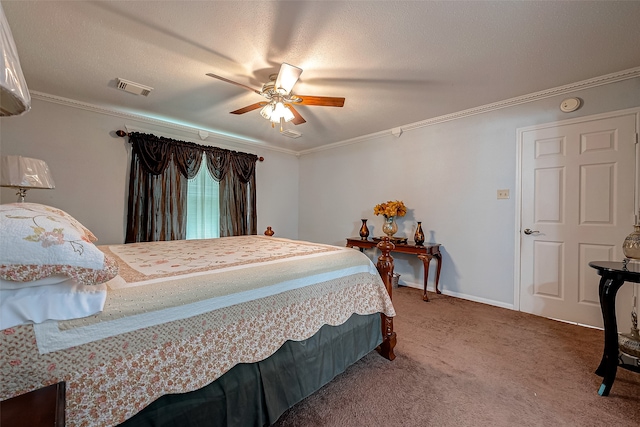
column 181, row 314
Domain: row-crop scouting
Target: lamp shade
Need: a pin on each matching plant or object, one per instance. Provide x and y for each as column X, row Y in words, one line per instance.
column 14, row 95
column 24, row 172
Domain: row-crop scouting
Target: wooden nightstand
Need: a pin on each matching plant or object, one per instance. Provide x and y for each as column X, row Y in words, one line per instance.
column 38, row 408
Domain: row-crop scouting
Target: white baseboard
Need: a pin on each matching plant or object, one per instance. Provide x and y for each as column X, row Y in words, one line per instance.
column 460, row 295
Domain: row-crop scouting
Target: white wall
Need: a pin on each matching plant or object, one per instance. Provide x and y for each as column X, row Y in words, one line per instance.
column 447, row 174
column 90, row 167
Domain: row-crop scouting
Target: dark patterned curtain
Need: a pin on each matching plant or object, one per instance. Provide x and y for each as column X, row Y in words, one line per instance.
column 160, row 168
column 238, row 197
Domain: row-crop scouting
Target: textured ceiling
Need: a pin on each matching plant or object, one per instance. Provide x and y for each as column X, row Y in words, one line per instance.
column 395, row 62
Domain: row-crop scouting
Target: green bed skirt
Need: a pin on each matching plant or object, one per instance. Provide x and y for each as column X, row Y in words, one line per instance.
column 257, row 394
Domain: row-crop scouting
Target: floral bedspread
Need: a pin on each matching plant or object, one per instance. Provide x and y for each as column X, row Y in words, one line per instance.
column 169, row 329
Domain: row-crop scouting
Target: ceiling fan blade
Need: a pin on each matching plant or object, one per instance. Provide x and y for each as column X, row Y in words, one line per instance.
column 234, row 83
column 249, row 108
column 326, row 101
column 287, row 78
column 297, row 118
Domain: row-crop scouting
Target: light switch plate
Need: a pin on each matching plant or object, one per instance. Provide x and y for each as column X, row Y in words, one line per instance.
column 503, row 194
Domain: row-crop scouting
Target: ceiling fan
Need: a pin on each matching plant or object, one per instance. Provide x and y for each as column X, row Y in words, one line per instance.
column 279, row 105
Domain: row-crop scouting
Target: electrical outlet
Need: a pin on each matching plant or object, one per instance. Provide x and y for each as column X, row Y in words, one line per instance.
column 503, row 194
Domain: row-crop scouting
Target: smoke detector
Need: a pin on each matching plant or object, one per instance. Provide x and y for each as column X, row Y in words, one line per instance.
column 291, row 133
column 570, row 104
column 132, row 87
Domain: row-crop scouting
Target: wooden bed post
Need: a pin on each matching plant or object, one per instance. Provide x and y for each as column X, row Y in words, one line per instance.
column 385, row 268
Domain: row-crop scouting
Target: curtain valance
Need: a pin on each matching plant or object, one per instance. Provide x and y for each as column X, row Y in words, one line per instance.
column 155, row 152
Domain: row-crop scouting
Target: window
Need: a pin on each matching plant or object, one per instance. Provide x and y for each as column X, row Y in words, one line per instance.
column 203, row 208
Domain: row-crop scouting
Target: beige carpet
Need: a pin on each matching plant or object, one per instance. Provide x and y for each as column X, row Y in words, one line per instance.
column 461, row 363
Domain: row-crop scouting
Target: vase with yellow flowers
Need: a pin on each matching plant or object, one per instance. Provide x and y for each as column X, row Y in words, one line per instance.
column 390, row 210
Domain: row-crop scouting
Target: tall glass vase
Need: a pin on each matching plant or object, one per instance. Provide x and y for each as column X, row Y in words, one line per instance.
column 389, row 227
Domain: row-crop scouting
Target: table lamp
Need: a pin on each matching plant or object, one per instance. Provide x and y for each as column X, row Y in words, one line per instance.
column 14, row 95
column 24, row 173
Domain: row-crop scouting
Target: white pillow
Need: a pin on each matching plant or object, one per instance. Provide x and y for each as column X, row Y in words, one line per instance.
column 51, row 280
column 65, row 300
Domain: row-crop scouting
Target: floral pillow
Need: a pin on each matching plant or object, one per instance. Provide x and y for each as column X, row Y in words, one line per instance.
column 37, row 241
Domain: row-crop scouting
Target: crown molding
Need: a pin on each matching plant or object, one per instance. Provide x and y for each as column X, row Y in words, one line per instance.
column 584, row 84
column 548, row 93
column 202, row 134
column 560, row 90
column 356, row 140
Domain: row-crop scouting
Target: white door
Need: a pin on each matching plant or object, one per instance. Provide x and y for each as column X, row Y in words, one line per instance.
column 578, row 186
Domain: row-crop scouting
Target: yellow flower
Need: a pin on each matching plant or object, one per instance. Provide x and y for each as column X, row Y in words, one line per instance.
column 390, row 208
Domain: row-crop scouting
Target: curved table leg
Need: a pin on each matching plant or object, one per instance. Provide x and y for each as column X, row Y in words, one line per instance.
column 609, row 364
column 438, row 256
column 426, row 259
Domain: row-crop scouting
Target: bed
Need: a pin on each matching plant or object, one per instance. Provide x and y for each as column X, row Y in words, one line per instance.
column 186, row 321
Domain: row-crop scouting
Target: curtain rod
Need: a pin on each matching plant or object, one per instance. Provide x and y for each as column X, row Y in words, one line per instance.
column 122, row 134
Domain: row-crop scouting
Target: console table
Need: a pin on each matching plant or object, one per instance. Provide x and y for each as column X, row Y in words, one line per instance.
column 614, row 275
column 425, row 252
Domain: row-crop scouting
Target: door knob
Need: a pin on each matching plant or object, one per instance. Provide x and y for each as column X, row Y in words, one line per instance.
column 530, row 231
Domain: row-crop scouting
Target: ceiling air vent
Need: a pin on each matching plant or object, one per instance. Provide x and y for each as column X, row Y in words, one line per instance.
column 132, row 87
column 291, row 133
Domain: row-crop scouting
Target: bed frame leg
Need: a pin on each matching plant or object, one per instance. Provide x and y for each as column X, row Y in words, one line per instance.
column 385, row 268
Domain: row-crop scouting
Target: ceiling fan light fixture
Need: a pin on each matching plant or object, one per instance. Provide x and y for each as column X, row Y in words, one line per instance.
column 267, row 111
column 288, row 115
column 275, row 112
column 279, row 106
column 279, row 111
